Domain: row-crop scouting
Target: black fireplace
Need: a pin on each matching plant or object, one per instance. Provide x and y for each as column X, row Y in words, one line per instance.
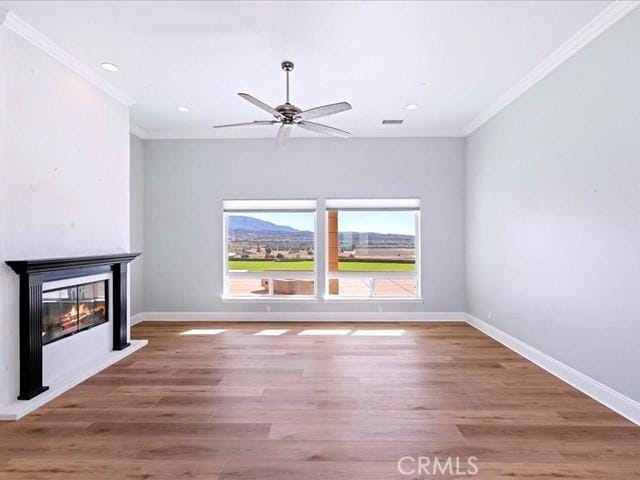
column 70, row 310
column 52, row 314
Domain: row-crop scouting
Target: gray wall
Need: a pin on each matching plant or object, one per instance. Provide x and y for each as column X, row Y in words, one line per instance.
column 136, row 168
column 553, row 213
column 186, row 181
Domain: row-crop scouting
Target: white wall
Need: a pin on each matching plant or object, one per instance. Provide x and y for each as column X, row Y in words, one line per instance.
column 8, row 350
column 553, row 213
column 64, row 177
column 137, row 223
column 186, row 181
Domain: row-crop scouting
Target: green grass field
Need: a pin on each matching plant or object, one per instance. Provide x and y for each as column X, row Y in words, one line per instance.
column 269, row 265
column 375, row 267
column 305, row 265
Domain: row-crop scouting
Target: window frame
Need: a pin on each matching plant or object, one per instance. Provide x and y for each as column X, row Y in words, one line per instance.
column 294, row 275
column 374, row 204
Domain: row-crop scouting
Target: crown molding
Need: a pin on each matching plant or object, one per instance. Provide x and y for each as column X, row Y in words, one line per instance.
column 608, row 17
column 138, row 131
column 210, row 135
column 443, row 133
column 38, row 40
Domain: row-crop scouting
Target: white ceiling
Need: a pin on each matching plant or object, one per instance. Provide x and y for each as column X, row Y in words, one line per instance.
column 452, row 58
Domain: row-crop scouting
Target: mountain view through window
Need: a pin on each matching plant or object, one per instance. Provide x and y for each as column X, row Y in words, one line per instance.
column 262, row 241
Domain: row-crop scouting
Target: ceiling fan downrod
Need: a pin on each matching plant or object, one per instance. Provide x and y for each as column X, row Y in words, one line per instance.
column 287, row 66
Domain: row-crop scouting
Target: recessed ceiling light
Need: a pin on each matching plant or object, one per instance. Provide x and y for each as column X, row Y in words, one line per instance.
column 411, row 106
column 184, row 109
column 110, row 66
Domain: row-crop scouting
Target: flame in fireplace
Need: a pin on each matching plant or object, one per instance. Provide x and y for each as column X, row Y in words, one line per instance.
column 84, row 310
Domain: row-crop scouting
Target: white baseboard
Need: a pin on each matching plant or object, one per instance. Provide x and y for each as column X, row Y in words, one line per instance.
column 304, row 316
column 619, row 403
column 137, row 318
column 20, row 408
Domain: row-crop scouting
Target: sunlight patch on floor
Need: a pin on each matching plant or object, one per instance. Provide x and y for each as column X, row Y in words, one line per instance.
column 378, row 333
column 325, row 332
column 204, row 331
column 272, row 332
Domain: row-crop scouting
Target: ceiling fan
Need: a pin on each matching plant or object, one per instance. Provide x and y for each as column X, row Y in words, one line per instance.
column 289, row 115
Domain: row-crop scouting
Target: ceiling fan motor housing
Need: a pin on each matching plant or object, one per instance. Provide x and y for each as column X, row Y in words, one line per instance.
column 289, row 111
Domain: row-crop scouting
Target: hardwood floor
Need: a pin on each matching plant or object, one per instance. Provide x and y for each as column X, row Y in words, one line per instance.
column 236, row 405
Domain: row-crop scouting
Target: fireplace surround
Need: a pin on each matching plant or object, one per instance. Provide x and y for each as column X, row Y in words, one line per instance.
column 34, row 273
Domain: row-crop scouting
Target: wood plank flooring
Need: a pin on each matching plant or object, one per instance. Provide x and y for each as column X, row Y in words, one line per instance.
column 241, row 406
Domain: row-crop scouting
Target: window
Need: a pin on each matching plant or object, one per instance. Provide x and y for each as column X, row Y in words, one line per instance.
column 269, row 249
column 373, row 248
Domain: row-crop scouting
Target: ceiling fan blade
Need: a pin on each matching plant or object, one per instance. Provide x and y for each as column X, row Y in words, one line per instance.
column 257, row 122
column 324, row 129
column 262, row 105
column 324, row 111
column 283, row 133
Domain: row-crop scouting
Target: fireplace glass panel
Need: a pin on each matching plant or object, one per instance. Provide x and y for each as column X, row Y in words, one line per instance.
column 69, row 310
column 91, row 305
column 59, row 314
column 100, row 303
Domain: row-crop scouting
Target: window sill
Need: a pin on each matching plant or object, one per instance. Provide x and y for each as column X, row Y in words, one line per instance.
column 373, row 299
column 293, row 299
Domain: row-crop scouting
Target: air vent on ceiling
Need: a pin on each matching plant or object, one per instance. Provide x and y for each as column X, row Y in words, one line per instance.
column 392, row 122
